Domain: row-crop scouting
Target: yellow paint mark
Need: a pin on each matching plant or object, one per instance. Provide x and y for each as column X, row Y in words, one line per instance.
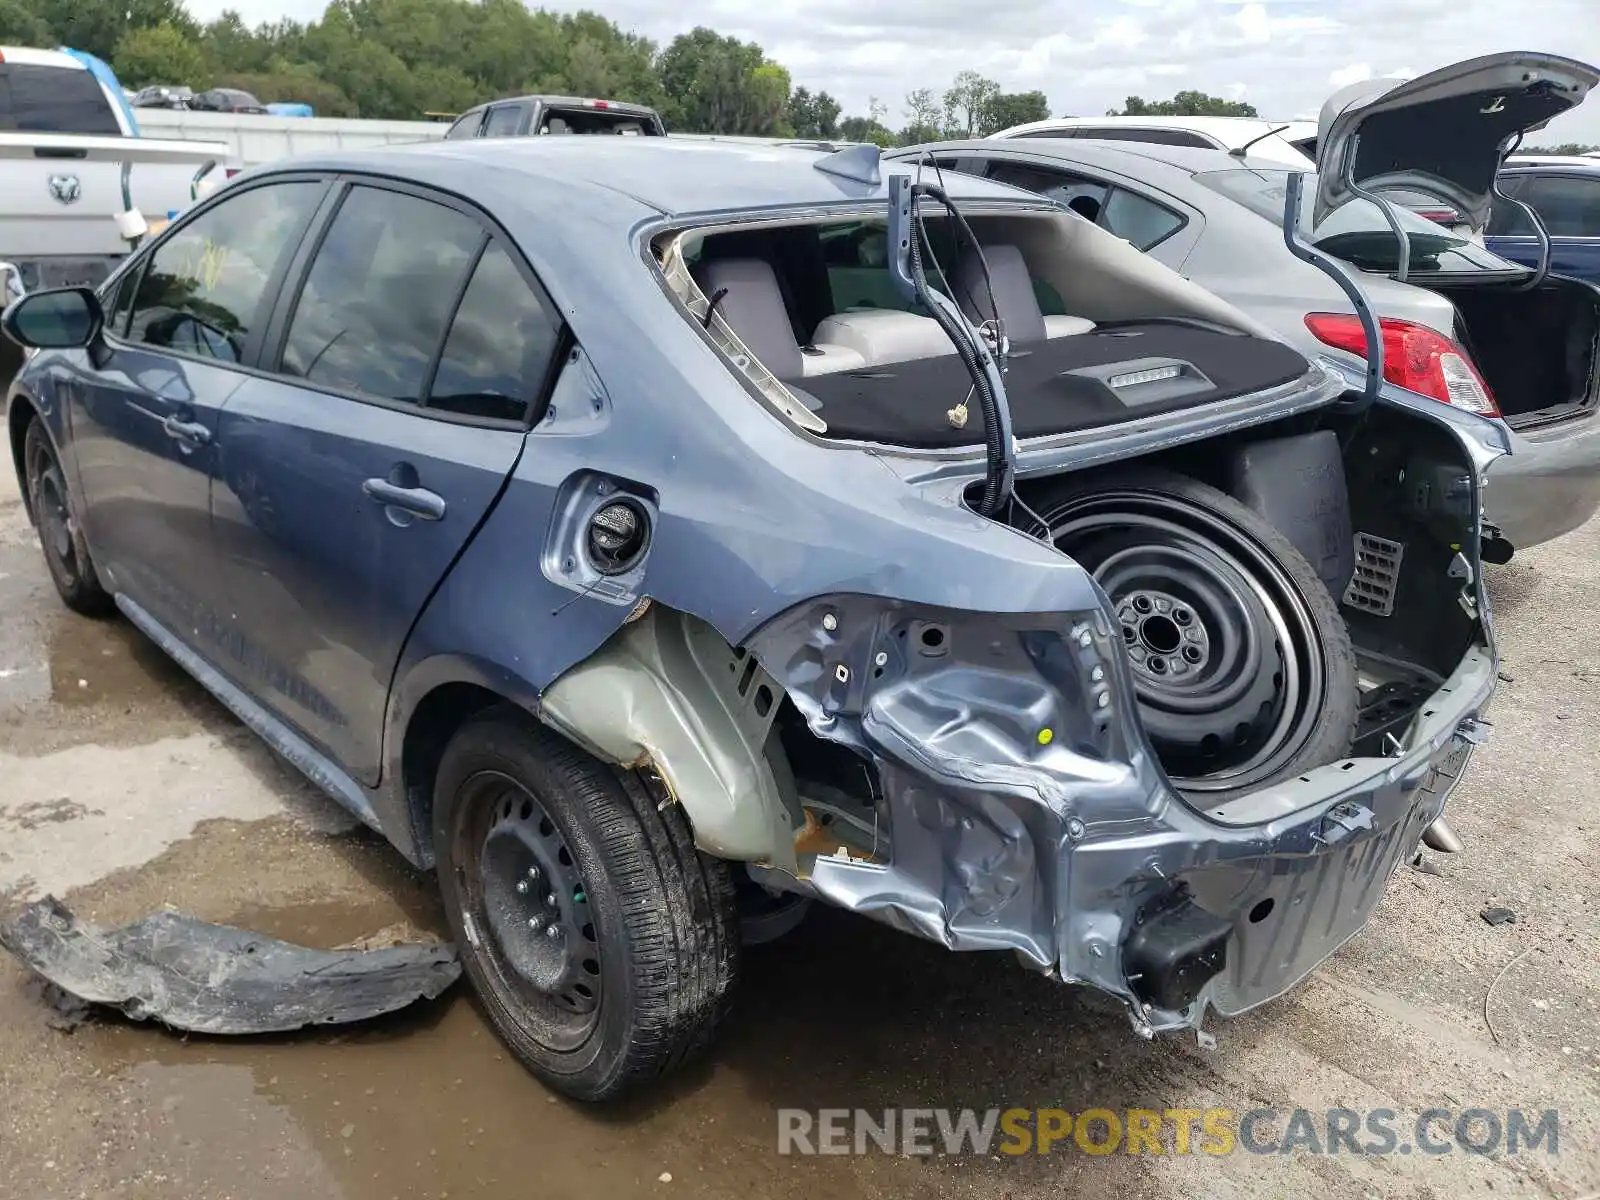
column 1046, row 736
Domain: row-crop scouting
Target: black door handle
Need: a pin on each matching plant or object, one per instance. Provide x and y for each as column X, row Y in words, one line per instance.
column 419, row 502
column 192, row 432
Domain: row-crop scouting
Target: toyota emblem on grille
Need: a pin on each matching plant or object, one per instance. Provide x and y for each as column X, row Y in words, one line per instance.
column 66, row 188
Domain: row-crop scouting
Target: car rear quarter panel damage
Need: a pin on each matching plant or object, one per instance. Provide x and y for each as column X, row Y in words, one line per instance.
column 1021, row 809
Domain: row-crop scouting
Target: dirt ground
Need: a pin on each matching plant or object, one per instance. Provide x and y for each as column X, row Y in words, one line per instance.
column 123, row 788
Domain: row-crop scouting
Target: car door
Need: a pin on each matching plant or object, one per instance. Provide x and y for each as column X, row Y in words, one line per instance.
column 405, row 363
column 1569, row 206
column 184, row 327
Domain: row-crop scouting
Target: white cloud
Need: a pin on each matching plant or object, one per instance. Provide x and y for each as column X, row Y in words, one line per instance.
column 1345, row 76
column 1088, row 55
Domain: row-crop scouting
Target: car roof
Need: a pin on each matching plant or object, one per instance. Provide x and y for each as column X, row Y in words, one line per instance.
column 1127, row 158
column 666, row 175
column 1566, row 164
column 29, row 57
column 1234, row 131
column 622, row 106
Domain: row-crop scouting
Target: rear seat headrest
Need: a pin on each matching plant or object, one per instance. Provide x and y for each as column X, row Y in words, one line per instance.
column 752, row 305
column 1012, row 286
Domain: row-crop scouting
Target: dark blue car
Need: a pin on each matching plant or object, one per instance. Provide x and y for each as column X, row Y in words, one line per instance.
column 1565, row 192
column 656, row 537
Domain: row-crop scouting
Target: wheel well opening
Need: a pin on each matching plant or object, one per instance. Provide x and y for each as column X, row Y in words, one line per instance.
column 22, row 412
column 435, row 721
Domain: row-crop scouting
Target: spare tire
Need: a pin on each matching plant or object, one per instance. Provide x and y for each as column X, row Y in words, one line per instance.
column 1243, row 669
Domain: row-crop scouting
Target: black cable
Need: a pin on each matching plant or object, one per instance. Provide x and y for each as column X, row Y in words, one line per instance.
column 960, row 335
column 962, row 230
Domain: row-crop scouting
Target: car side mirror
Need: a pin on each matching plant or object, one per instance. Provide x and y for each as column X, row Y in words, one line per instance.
column 55, row 319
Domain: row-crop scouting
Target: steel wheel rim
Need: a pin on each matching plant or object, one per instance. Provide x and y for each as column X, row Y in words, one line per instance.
column 519, row 880
column 1257, row 642
column 51, row 511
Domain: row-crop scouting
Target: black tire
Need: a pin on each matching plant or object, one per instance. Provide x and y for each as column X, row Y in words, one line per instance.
column 644, row 967
column 1243, row 668
column 66, row 553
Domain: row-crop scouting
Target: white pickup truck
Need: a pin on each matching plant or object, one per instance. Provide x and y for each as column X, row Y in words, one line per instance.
column 78, row 186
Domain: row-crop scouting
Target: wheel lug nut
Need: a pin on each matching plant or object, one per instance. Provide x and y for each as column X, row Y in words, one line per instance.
column 553, row 932
column 522, row 886
column 536, row 923
column 551, row 899
column 533, row 873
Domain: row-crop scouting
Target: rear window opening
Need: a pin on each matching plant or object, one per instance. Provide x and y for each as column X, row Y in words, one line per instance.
column 560, row 121
column 42, row 99
column 1359, row 234
column 810, row 313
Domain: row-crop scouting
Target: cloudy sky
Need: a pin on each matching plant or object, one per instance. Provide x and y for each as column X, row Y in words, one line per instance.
column 1284, row 56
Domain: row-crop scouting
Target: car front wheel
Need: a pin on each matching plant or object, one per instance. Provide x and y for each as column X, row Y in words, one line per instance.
column 603, row 945
column 66, row 553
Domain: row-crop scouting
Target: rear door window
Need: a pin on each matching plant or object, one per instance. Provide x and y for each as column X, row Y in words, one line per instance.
column 204, row 289
column 1569, row 205
column 1083, row 195
column 43, row 99
column 371, row 316
column 465, row 127
column 505, row 120
column 1142, row 222
column 500, row 344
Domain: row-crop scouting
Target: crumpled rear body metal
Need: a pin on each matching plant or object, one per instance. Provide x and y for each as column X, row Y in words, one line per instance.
column 193, row 975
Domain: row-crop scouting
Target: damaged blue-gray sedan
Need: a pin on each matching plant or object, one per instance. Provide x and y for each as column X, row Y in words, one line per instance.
column 654, row 537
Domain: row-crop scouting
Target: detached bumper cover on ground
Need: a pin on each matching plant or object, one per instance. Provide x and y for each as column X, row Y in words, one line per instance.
column 214, row 979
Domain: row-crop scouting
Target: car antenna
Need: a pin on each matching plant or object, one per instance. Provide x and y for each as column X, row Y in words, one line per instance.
column 1239, row 151
column 858, row 164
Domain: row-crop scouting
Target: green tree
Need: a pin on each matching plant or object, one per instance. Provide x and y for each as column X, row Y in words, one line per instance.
column 712, row 83
column 160, row 54
column 869, row 128
column 922, row 118
column 96, row 26
column 21, row 25
column 1184, row 104
column 1015, row 108
column 813, row 116
column 966, row 104
column 1569, row 149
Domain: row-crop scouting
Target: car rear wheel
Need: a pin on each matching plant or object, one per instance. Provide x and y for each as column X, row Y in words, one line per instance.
column 66, row 553
column 1243, row 668
column 603, row 945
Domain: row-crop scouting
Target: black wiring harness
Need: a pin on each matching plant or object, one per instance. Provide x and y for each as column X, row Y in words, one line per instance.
column 983, row 365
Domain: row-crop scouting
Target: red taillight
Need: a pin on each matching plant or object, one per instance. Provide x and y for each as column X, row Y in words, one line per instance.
column 232, row 171
column 597, row 104
column 1414, row 357
column 1440, row 216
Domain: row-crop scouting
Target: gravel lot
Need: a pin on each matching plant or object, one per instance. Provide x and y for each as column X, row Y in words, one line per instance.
column 123, row 787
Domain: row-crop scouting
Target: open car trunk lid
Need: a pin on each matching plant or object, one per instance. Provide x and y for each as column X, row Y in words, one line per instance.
column 1443, row 133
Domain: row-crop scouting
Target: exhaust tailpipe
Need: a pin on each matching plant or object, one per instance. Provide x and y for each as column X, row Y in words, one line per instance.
column 1439, row 836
